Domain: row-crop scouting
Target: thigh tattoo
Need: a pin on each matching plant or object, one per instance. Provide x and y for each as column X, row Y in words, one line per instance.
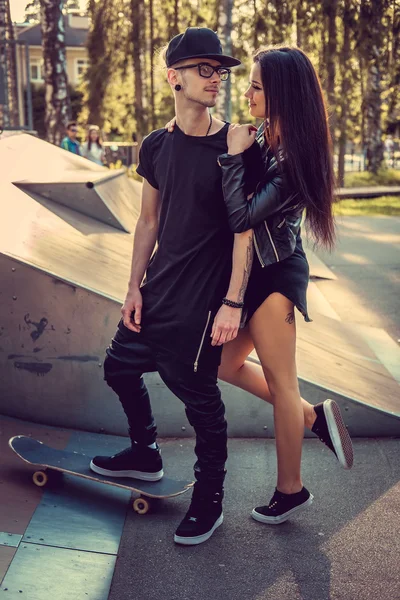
column 290, row 318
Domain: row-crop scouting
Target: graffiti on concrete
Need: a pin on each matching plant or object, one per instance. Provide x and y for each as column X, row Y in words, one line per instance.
column 36, row 368
column 40, row 327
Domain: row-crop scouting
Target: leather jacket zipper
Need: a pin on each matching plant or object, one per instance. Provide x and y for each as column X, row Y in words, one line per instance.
column 196, row 362
column 258, row 251
column 272, row 243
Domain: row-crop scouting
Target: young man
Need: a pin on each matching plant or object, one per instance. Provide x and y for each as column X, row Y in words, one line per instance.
column 70, row 142
column 176, row 321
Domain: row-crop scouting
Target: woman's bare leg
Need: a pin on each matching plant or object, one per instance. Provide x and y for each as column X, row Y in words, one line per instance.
column 248, row 376
column 273, row 331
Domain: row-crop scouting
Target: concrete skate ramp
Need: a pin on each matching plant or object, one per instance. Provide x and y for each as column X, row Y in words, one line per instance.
column 318, row 269
column 38, row 167
column 63, row 279
column 337, row 356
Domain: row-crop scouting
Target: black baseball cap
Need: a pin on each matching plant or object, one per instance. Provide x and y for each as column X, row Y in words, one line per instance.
column 197, row 42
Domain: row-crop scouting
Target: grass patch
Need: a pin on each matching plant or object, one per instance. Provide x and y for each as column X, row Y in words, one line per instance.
column 384, row 177
column 386, row 205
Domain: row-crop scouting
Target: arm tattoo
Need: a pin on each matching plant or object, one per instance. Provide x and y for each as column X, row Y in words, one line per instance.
column 290, row 318
column 247, row 268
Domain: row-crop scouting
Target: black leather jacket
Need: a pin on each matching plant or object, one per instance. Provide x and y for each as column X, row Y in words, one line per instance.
column 258, row 196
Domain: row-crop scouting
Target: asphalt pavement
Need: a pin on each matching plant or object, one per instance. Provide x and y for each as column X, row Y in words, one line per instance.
column 367, row 263
column 345, row 546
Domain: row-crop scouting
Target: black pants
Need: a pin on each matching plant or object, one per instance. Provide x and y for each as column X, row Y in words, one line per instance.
column 128, row 357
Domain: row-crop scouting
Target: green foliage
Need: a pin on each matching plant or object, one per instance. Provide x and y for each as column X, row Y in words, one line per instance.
column 110, row 81
column 384, row 177
column 386, row 205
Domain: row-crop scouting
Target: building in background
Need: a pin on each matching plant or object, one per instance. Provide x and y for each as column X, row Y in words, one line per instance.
column 76, row 32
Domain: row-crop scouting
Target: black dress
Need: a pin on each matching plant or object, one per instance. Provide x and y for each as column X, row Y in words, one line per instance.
column 289, row 277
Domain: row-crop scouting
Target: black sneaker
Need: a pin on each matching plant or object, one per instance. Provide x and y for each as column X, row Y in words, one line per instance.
column 139, row 462
column 202, row 519
column 331, row 430
column 282, row 506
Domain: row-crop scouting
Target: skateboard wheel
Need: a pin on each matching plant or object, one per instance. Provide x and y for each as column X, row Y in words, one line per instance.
column 40, row 478
column 141, row 506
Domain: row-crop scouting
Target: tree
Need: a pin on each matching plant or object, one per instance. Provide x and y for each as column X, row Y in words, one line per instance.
column 100, row 59
column 32, row 9
column 224, row 106
column 371, row 48
column 152, row 49
column 12, row 71
column 283, row 21
column 4, row 117
column 58, row 107
column 394, row 67
column 138, row 53
column 330, row 12
column 345, row 70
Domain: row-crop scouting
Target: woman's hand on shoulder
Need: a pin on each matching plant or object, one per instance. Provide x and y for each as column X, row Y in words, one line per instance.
column 170, row 125
column 240, row 137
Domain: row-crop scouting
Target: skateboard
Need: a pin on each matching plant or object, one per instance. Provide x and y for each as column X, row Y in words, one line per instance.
column 52, row 461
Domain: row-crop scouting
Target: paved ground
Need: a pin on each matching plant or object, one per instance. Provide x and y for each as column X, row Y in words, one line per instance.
column 345, row 547
column 367, row 263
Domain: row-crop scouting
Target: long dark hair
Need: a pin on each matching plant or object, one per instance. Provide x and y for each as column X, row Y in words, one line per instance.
column 298, row 127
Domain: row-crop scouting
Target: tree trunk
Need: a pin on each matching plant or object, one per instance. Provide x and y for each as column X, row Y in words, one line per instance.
column 152, row 49
column 12, row 71
column 394, row 67
column 330, row 12
column 32, row 9
column 58, row 106
column 224, row 104
column 4, row 108
column 300, row 22
column 100, row 69
column 255, row 27
column 216, row 15
column 345, row 89
column 283, row 21
column 371, row 17
column 137, row 16
column 173, row 24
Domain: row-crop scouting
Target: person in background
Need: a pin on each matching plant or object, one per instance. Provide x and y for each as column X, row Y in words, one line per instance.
column 70, row 143
column 389, row 150
column 93, row 149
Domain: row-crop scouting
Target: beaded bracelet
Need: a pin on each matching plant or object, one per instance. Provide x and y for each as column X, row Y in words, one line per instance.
column 232, row 304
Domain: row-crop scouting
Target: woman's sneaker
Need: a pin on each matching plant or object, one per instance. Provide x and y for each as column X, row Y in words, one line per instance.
column 331, row 430
column 138, row 462
column 282, row 506
column 202, row 518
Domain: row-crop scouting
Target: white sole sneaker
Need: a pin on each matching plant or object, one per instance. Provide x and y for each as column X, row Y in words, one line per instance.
column 199, row 539
column 339, row 435
column 282, row 518
column 132, row 474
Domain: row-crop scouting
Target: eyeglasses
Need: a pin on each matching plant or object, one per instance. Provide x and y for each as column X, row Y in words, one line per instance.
column 73, row 130
column 207, row 71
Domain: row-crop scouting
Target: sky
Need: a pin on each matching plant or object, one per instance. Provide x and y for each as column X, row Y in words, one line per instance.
column 18, row 9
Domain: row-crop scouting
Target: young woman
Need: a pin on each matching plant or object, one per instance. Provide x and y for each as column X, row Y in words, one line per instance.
column 93, row 147
column 295, row 175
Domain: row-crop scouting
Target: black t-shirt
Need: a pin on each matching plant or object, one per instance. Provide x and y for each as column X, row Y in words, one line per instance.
column 189, row 273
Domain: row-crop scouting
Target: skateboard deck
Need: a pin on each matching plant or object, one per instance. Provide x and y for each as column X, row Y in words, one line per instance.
column 36, row 453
